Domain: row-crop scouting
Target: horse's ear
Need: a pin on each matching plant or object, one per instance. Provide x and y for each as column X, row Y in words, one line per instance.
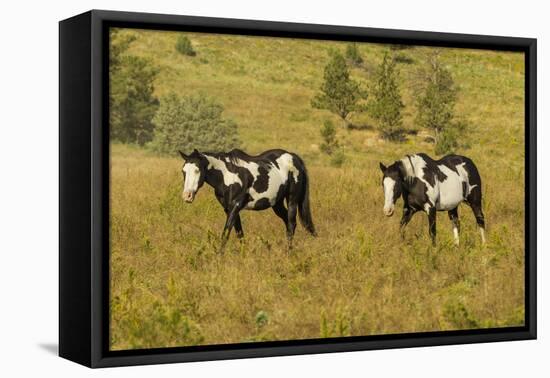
column 184, row 156
column 383, row 168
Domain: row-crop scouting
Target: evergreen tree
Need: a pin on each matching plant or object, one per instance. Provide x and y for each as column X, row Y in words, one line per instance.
column 387, row 104
column 192, row 122
column 353, row 55
column 119, row 43
column 131, row 99
column 339, row 93
column 184, row 46
column 435, row 106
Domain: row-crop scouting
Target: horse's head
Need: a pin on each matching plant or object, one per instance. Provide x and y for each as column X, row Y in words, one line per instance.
column 392, row 182
column 194, row 173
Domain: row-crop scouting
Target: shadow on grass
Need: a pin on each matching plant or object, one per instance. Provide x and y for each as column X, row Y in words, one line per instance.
column 352, row 126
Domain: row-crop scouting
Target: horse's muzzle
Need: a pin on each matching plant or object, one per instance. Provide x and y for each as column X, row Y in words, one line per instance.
column 188, row 196
column 388, row 212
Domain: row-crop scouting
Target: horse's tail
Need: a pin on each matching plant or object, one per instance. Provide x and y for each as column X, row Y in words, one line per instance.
column 304, row 210
column 474, row 177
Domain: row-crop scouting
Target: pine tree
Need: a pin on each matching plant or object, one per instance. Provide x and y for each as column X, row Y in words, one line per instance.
column 353, row 55
column 387, row 104
column 131, row 99
column 435, row 106
column 339, row 93
column 184, row 46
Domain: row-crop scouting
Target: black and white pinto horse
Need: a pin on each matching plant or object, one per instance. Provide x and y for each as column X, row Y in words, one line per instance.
column 244, row 182
column 433, row 185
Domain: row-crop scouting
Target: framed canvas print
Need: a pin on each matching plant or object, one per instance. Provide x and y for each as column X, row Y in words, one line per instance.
column 233, row 188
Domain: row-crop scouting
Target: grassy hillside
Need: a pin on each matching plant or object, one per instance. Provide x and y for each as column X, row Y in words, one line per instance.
column 169, row 286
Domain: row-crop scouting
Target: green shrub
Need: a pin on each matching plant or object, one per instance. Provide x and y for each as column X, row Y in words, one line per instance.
column 456, row 313
column 184, row 46
column 160, row 324
column 328, row 133
column 451, row 138
column 261, row 319
column 330, row 145
column 192, row 122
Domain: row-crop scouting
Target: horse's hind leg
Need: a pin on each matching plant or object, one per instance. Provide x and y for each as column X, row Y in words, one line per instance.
column 453, row 216
column 480, row 219
column 238, row 227
column 474, row 200
column 432, row 218
column 291, row 225
column 280, row 209
column 282, row 213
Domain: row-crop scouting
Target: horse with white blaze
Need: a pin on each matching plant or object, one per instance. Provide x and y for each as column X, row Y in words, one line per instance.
column 244, row 182
column 433, row 185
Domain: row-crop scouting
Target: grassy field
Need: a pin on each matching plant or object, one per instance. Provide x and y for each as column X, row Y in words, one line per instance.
column 169, row 286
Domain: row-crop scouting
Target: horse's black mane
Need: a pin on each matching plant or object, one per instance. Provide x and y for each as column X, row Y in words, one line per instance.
column 235, row 154
column 450, row 161
column 232, row 155
column 399, row 167
column 430, row 174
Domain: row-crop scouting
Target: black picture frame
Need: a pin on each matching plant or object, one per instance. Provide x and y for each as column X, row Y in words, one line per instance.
column 84, row 188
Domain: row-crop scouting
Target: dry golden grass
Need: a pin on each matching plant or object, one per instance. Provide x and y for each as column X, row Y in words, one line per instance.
column 169, row 286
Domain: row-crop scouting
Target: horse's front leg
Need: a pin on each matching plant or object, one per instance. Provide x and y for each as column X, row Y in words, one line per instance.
column 405, row 219
column 232, row 216
column 432, row 222
column 238, row 226
column 229, row 223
